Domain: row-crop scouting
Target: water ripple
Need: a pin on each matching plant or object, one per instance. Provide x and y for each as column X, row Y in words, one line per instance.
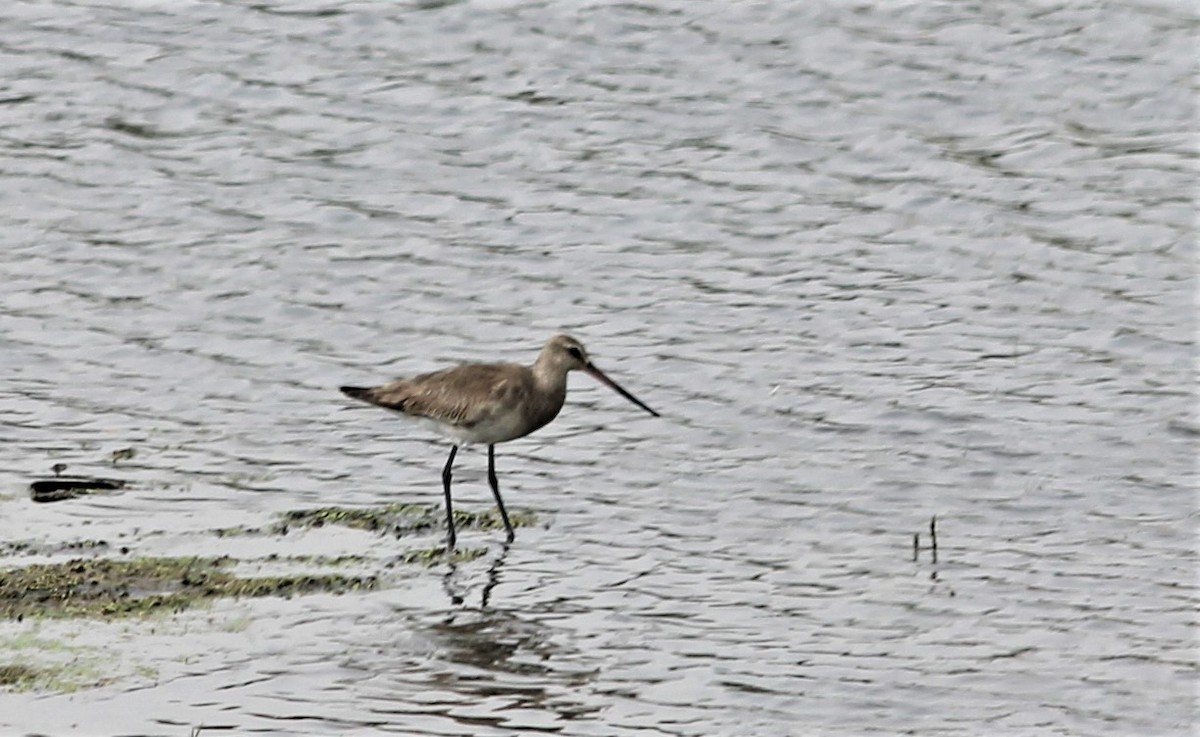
column 873, row 264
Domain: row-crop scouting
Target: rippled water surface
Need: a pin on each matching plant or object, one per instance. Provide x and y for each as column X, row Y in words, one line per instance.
column 874, row 263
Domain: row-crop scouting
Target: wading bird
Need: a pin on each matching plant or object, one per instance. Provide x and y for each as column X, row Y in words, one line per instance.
column 489, row 403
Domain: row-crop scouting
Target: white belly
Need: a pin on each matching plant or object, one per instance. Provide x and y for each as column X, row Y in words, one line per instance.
column 497, row 429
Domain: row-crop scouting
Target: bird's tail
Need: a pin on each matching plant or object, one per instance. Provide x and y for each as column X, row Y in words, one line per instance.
column 358, row 392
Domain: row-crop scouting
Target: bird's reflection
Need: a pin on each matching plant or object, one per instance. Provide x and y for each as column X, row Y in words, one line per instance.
column 486, row 637
column 459, row 590
column 487, row 647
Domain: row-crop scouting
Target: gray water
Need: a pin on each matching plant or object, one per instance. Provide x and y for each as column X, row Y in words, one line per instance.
column 874, row 263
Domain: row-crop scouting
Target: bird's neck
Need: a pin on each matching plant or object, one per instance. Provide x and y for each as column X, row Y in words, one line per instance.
column 551, row 393
column 551, row 379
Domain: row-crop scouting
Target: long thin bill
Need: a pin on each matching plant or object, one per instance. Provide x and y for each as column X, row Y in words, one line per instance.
column 599, row 375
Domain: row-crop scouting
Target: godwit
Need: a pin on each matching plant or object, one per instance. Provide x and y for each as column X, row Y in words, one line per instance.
column 489, row 403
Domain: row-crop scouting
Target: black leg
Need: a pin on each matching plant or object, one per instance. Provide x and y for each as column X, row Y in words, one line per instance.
column 449, row 508
column 496, row 491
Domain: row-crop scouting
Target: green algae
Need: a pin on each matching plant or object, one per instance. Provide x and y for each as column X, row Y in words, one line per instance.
column 320, row 560
column 63, row 667
column 414, row 517
column 61, row 678
column 358, row 518
column 19, row 676
column 107, row 587
column 138, row 586
column 396, row 517
column 432, row 556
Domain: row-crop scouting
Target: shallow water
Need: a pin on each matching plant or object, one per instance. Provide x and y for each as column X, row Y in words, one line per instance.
column 873, row 265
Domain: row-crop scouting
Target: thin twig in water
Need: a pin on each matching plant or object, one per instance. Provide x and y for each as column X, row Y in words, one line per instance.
column 933, row 537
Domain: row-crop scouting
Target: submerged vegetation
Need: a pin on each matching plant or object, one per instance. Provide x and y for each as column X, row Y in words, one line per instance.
column 395, row 518
column 107, row 580
column 81, row 672
column 19, row 675
column 105, row 587
column 108, row 587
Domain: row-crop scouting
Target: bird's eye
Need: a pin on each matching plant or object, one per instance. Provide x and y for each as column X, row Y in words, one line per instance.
column 575, row 352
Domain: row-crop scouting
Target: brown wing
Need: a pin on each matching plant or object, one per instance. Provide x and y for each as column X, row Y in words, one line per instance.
column 462, row 396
